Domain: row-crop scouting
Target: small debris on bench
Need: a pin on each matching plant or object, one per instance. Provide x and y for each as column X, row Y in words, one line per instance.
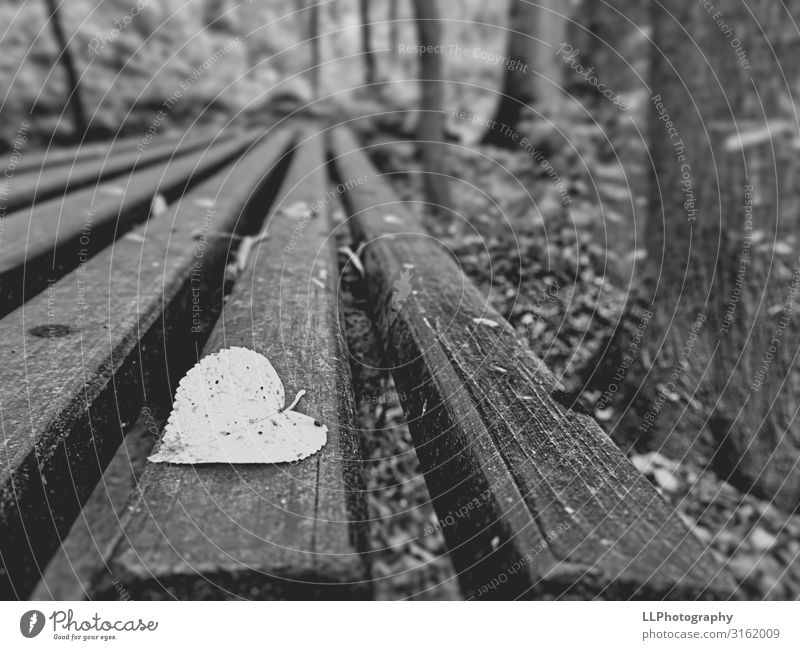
column 299, row 210
column 159, row 206
column 246, row 246
column 353, row 258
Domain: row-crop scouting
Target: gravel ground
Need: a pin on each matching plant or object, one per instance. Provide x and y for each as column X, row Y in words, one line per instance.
column 408, row 561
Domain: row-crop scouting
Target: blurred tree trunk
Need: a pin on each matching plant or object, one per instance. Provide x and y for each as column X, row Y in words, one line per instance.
column 394, row 40
column 430, row 125
column 534, row 72
column 611, row 28
column 550, row 28
column 75, row 101
column 316, row 57
column 720, row 175
column 370, row 71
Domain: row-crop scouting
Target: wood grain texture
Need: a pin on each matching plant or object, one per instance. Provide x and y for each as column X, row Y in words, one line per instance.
column 32, row 187
column 535, row 498
column 81, row 358
column 289, row 530
column 91, row 540
column 43, row 242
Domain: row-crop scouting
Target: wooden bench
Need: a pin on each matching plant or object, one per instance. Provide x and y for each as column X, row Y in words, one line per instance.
column 279, row 531
column 45, row 240
column 534, row 500
column 39, row 161
column 71, row 348
column 38, row 183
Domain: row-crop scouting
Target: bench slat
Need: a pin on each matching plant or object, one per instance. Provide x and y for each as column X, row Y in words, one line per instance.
column 33, row 187
column 81, row 357
column 36, row 161
column 84, row 553
column 267, row 531
column 53, row 237
column 534, row 496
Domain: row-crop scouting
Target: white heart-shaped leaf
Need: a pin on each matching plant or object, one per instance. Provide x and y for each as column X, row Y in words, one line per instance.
column 229, row 408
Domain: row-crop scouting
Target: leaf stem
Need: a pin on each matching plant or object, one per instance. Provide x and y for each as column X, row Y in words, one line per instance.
column 294, row 403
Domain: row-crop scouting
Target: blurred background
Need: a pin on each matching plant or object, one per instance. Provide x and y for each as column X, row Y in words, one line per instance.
column 124, row 78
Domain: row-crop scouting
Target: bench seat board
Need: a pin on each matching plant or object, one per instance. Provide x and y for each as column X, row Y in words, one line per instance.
column 79, row 358
column 36, row 161
column 290, row 530
column 32, row 187
column 84, row 554
column 536, row 498
column 44, row 241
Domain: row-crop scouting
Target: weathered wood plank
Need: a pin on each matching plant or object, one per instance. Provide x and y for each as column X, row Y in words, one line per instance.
column 46, row 240
column 34, row 161
column 81, row 358
column 270, row 531
column 534, row 497
column 33, row 187
column 88, row 546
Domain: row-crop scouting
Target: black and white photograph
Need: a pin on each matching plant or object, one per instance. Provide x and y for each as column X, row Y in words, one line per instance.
column 312, row 301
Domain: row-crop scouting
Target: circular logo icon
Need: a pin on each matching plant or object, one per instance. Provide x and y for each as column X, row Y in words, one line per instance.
column 31, row 623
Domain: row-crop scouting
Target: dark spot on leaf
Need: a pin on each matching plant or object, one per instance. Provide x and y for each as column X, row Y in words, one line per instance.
column 317, row 423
